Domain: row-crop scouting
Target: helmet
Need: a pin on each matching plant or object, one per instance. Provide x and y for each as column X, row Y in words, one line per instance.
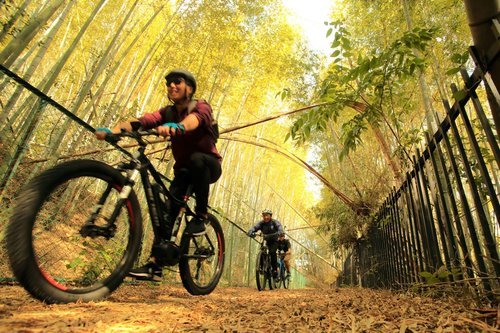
column 186, row 75
column 267, row 211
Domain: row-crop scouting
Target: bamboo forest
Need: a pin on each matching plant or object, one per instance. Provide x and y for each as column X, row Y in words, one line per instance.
column 358, row 143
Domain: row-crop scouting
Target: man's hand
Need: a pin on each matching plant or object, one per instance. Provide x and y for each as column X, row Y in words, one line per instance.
column 101, row 133
column 163, row 131
column 171, row 129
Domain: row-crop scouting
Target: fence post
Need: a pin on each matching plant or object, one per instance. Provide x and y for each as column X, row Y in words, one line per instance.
column 436, row 257
column 451, row 245
column 463, row 198
column 416, row 228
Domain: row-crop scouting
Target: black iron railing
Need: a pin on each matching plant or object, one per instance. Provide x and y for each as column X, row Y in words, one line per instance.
column 443, row 223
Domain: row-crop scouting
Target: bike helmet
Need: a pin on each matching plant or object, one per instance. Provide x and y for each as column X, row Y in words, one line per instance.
column 267, row 211
column 186, row 75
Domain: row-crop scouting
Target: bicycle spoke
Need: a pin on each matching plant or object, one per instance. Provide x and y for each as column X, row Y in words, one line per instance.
column 62, row 253
column 202, row 260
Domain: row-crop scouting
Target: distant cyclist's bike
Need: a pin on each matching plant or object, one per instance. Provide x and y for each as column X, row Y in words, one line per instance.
column 76, row 230
column 263, row 268
column 283, row 279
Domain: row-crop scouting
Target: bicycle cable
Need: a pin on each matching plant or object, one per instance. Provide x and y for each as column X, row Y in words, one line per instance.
column 58, row 106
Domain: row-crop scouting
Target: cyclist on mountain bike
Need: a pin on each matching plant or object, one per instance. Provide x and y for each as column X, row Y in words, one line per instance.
column 188, row 123
column 286, row 248
column 269, row 226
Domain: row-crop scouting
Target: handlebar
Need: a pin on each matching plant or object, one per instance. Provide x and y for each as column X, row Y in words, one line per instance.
column 133, row 134
column 267, row 236
column 136, row 135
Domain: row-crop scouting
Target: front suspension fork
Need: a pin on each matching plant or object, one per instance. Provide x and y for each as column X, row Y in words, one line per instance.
column 90, row 229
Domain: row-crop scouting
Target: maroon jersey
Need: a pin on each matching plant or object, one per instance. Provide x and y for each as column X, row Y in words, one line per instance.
column 199, row 140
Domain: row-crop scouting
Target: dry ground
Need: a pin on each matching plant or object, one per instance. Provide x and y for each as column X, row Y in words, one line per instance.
column 162, row 308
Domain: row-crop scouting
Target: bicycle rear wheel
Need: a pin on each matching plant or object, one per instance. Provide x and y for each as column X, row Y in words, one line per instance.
column 286, row 281
column 48, row 254
column 202, row 259
column 284, row 275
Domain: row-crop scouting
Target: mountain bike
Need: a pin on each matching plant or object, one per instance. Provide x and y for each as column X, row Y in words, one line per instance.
column 283, row 279
column 77, row 230
column 263, row 269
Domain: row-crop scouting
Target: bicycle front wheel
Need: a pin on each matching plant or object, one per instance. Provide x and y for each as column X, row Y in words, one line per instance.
column 202, row 259
column 262, row 271
column 272, row 280
column 50, row 255
column 279, row 280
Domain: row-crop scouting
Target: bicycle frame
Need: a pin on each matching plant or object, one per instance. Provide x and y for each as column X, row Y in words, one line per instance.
column 281, row 266
column 140, row 166
column 106, row 207
column 266, row 270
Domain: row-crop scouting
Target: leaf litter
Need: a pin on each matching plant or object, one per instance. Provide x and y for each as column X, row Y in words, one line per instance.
column 166, row 308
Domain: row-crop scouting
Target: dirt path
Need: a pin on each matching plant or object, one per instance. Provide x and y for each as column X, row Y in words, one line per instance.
column 161, row 308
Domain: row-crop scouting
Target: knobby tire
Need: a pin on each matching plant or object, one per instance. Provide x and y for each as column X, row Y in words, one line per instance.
column 202, row 259
column 47, row 253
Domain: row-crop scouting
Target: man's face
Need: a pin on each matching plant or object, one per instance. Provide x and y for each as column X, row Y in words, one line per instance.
column 266, row 217
column 177, row 89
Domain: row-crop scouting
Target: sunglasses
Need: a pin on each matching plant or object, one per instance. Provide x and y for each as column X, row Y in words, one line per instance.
column 175, row 80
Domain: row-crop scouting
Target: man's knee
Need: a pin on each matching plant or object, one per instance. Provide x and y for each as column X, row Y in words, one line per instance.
column 196, row 161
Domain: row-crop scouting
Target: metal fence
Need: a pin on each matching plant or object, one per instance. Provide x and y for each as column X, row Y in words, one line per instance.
column 443, row 224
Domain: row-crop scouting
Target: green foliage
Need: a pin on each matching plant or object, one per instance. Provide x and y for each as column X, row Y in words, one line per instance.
column 459, row 95
column 441, row 275
column 88, row 271
column 408, row 138
column 351, row 133
column 365, row 82
column 341, row 44
column 75, row 264
column 344, row 225
column 312, row 121
column 284, row 94
column 430, row 278
column 459, row 59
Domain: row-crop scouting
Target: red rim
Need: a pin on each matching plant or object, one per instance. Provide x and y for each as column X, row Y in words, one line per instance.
column 62, row 287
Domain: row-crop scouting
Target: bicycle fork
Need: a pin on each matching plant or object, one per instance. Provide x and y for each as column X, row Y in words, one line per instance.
column 90, row 229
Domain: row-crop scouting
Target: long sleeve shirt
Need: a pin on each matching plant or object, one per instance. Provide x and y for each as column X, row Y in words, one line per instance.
column 273, row 226
column 200, row 139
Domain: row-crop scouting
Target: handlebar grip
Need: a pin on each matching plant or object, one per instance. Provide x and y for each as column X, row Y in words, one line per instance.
column 103, row 129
